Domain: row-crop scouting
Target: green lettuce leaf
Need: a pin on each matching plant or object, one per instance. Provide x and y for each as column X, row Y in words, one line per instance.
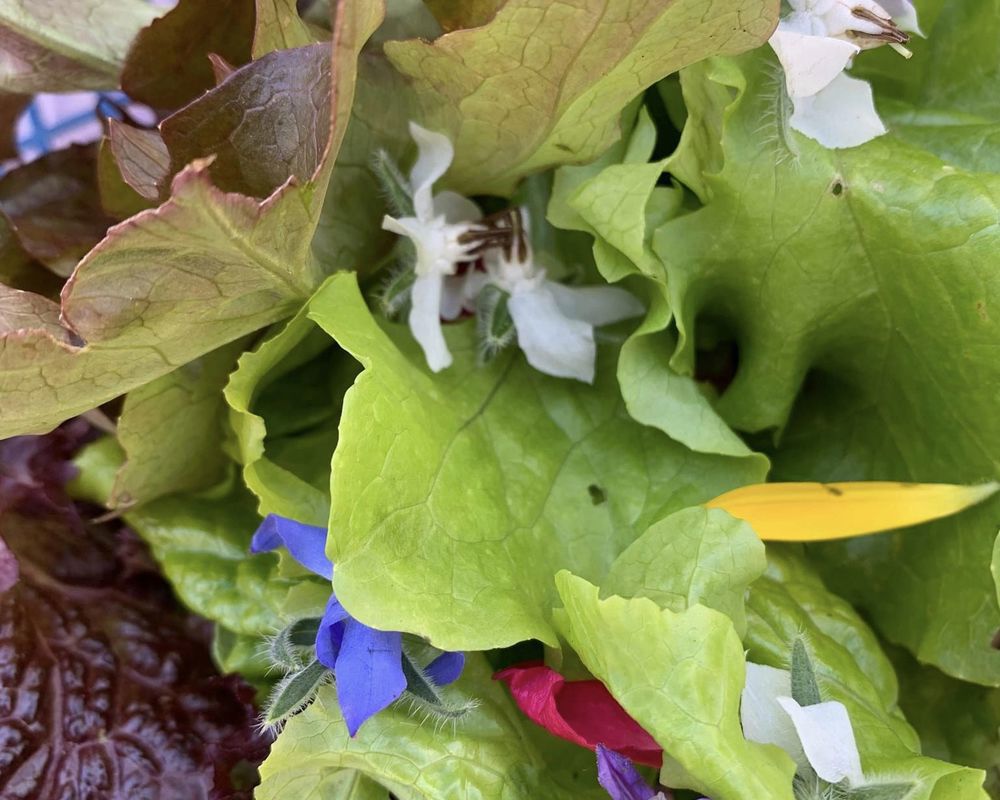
column 279, row 27
column 695, row 556
column 455, row 14
column 171, row 431
column 680, row 675
column 171, row 284
column 490, row 752
column 790, row 602
column 456, row 498
column 957, row 721
column 618, row 201
column 63, row 45
column 585, row 63
column 285, row 402
column 858, row 284
column 202, row 542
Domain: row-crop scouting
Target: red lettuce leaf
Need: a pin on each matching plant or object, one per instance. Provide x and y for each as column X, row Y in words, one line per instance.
column 107, row 689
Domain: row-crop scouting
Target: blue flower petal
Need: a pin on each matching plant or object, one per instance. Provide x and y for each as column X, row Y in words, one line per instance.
column 446, row 668
column 306, row 543
column 369, row 672
column 620, row 777
column 330, row 635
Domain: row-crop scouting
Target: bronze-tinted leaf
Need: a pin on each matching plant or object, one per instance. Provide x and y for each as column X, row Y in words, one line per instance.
column 168, row 65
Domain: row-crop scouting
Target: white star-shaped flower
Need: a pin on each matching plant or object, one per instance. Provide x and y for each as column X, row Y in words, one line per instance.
column 816, row 43
column 817, row 736
column 555, row 323
column 436, row 229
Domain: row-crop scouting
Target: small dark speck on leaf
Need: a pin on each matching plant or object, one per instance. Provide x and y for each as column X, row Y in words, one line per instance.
column 833, row 490
column 837, row 189
column 565, row 147
column 597, row 494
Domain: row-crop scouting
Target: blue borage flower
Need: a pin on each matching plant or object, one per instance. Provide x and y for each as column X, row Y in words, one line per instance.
column 621, row 779
column 367, row 663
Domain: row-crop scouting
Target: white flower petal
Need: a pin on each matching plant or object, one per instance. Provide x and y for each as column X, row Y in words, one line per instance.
column 404, row 226
column 810, row 63
column 763, row 719
column 456, row 208
column 552, row 343
column 827, row 738
column 903, row 14
column 460, row 293
column 434, row 156
column 597, row 305
column 841, row 115
column 425, row 320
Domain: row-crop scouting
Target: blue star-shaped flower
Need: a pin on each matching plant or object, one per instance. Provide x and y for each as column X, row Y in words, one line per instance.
column 367, row 663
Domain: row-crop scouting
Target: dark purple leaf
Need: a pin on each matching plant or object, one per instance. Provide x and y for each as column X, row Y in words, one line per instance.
column 168, row 65
column 55, row 207
column 142, row 158
column 266, row 122
column 11, row 106
column 107, row 689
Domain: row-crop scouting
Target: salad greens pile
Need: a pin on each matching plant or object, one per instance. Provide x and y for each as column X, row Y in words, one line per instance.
column 506, row 382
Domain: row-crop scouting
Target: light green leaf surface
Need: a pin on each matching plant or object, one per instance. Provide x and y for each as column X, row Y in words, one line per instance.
column 171, row 431
column 680, row 676
column 573, row 68
column 172, row 283
column 870, row 272
column 957, row 722
column 455, row 14
column 456, row 498
column 696, row 556
column 202, row 542
column 790, row 602
column 66, row 45
column 618, row 201
column 279, row 27
column 285, row 405
column 487, row 755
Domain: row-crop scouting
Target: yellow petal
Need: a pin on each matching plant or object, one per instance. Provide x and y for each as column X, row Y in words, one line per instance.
column 812, row 512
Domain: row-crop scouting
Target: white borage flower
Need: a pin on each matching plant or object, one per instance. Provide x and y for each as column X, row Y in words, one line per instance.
column 555, row 323
column 438, row 230
column 818, row 737
column 816, row 43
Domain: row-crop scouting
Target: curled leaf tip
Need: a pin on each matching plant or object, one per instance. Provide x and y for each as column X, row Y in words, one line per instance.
column 812, row 512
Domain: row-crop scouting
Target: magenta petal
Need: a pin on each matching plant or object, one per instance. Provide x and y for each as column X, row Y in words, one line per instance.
column 582, row 712
column 369, row 672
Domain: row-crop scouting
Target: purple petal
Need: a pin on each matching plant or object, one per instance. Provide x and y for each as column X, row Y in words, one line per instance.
column 446, row 668
column 306, row 543
column 369, row 672
column 330, row 634
column 620, row 777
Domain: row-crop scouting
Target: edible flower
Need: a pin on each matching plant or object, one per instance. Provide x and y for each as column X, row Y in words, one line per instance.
column 813, row 512
column 367, row 663
column 554, row 323
column 815, row 43
column 817, row 737
column 582, row 712
column 621, row 779
column 439, row 228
